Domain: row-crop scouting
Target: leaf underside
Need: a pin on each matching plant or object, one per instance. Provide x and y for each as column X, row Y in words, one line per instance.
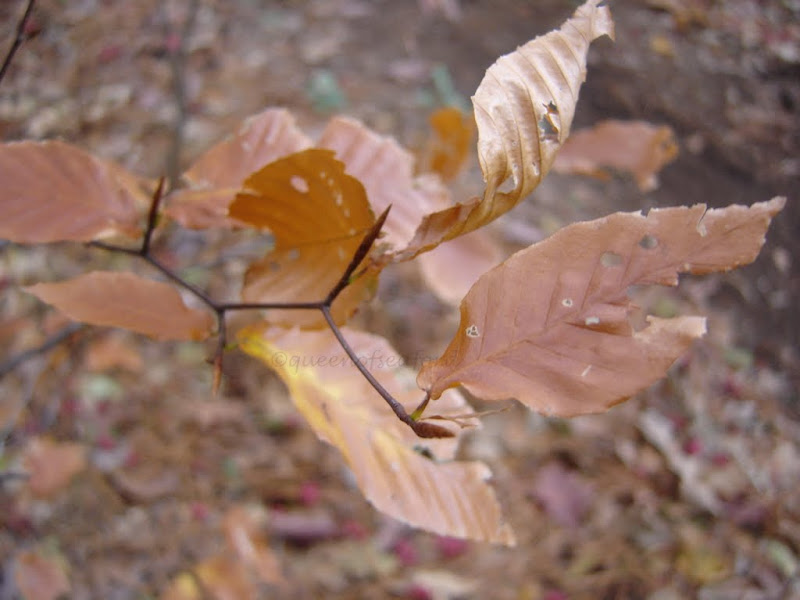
column 128, row 301
column 52, row 192
column 444, row 496
column 550, row 325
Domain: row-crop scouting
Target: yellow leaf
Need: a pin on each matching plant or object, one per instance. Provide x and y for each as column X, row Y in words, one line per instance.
column 444, row 496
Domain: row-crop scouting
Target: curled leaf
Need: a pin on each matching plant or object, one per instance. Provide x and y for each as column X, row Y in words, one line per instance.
column 216, row 177
column 523, row 108
column 128, row 301
column 440, row 495
column 318, row 215
column 52, row 192
column 549, row 326
column 637, row 147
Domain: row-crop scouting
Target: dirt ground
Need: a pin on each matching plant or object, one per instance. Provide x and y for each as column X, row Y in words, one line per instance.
column 687, row 491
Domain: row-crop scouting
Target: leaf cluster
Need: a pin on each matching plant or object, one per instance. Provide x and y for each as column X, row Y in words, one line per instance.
column 550, row 326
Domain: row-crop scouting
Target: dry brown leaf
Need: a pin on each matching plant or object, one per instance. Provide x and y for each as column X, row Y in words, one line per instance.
column 52, row 465
column 444, row 496
column 637, row 147
column 451, row 268
column 53, row 192
column 40, row 577
column 318, row 215
column 221, row 577
column 448, row 148
column 128, row 301
column 549, row 326
column 244, row 528
column 216, row 177
column 387, row 172
column 523, row 108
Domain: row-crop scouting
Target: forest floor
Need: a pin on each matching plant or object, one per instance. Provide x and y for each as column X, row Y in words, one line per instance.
column 689, row 490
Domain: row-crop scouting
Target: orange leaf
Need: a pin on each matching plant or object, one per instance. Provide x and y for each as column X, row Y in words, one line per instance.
column 448, row 148
column 444, row 496
column 53, row 192
column 549, row 326
column 128, row 301
column 39, row 577
column 52, row 465
column 217, row 175
column 387, row 172
column 637, row 147
column 523, row 108
column 318, row 215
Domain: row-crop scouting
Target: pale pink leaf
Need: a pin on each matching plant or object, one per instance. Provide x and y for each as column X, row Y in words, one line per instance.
column 128, row 301
column 52, row 191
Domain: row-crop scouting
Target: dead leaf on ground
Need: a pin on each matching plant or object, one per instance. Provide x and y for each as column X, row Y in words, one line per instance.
column 444, row 496
column 564, row 495
column 220, row 577
column 549, row 326
column 41, row 577
column 55, row 192
column 51, row 465
column 318, row 215
column 244, row 528
column 126, row 300
column 637, row 147
column 523, row 108
column 216, row 177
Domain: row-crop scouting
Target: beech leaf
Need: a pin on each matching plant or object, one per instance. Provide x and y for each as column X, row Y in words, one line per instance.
column 53, row 192
column 637, row 147
column 440, row 495
column 52, row 465
column 451, row 268
column 126, row 300
column 41, row 574
column 549, row 326
column 523, row 109
column 448, row 147
column 318, row 215
column 387, row 172
column 216, row 177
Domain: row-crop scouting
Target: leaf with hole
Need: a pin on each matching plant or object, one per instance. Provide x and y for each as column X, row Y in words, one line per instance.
column 549, row 326
column 128, row 301
column 523, row 108
column 216, row 177
column 318, row 214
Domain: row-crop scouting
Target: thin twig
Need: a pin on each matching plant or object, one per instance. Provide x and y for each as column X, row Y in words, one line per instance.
column 359, row 255
column 178, row 64
column 51, row 342
column 18, row 39
column 152, row 217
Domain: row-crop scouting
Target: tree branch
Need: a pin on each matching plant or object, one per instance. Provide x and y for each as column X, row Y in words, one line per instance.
column 51, row 342
column 18, row 39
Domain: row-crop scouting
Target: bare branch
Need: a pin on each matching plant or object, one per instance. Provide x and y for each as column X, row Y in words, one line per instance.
column 51, row 342
column 18, row 39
